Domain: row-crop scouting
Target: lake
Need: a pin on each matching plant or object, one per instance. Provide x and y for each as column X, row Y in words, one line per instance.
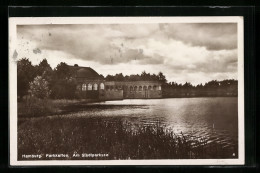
column 215, row 119
column 89, row 127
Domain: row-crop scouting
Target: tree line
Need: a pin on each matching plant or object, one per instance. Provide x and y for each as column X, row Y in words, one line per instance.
column 136, row 77
column 42, row 81
column 59, row 83
column 214, row 84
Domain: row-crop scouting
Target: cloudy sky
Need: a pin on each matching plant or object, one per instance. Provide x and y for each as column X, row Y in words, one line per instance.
column 195, row 53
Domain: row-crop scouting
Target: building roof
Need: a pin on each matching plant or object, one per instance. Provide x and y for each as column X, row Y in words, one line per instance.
column 84, row 72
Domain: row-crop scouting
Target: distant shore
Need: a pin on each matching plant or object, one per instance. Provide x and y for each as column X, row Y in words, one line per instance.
column 34, row 107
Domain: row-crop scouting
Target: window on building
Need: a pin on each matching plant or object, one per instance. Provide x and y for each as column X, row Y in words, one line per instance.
column 159, row 87
column 131, row 88
column 145, row 87
column 140, row 88
column 84, row 87
column 95, row 86
column 149, row 88
column 135, row 88
column 154, row 87
column 102, row 86
column 89, row 87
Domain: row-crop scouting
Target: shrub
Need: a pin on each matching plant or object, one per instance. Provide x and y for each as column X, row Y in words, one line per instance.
column 39, row 88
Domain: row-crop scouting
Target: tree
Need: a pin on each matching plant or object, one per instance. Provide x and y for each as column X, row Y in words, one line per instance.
column 63, row 84
column 199, row 86
column 64, row 89
column 39, row 88
column 212, row 84
column 44, row 69
column 187, row 85
column 144, row 75
column 154, row 77
column 110, row 78
column 134, row 78
column 25, row 74
column 62, row 71
column 162, row 77
column 119, row 77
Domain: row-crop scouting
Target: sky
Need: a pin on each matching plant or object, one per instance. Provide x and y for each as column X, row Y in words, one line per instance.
column 183, row 52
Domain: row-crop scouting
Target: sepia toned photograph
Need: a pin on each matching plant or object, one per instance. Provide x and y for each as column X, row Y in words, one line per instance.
column 126, row 91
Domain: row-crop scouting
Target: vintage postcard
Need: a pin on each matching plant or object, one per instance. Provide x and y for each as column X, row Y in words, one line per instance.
column 126, row 91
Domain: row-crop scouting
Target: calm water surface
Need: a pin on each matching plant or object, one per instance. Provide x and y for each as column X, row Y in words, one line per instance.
column 215, row 119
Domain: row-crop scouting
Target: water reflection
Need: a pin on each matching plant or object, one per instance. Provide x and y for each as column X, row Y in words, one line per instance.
column 215, row 119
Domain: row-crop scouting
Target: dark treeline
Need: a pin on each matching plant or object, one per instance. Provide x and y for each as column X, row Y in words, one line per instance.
column 136, row 77
column 44, row 82
column 160, row 77
column 214, row 88
column 214, row 84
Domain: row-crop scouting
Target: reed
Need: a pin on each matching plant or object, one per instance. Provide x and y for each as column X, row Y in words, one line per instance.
column 119, row 139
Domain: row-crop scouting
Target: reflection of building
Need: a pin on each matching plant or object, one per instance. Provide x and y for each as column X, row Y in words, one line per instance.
column 91, row 85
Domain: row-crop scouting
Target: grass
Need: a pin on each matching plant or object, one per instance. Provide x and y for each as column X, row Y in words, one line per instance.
column 119, row 139
column 34, row 107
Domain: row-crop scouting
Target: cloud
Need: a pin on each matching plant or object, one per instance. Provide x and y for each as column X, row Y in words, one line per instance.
column 213, row 36
column 191, row 52
column 88, row 42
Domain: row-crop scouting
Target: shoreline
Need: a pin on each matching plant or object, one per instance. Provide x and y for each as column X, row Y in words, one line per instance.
column 35, row 108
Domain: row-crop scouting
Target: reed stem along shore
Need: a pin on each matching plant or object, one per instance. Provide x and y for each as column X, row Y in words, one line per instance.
column 117, row 138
